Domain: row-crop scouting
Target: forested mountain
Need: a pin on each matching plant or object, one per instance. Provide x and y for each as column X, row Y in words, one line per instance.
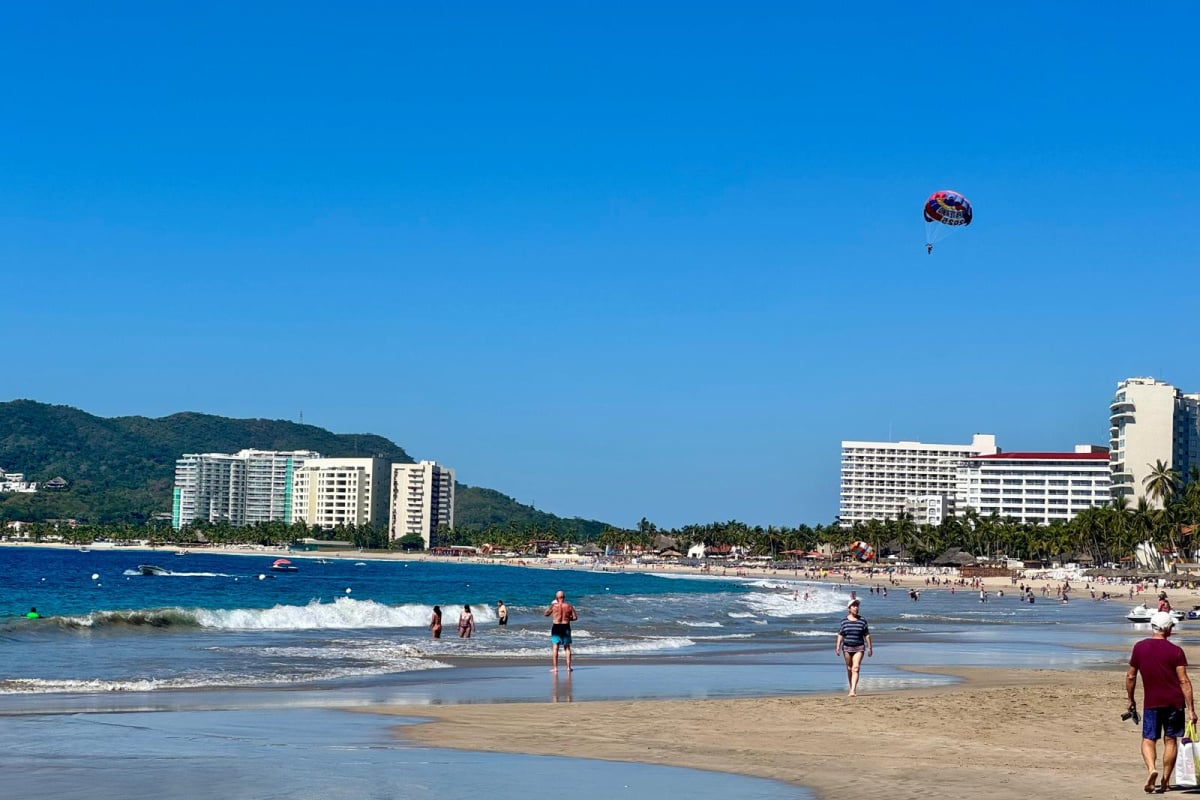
column 122, row 469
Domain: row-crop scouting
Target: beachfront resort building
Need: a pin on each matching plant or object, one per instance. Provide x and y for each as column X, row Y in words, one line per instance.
column 879, row 479
column 1151, row 421
column 1034, row 487
column 242, row 488
column 328, row 492
column 422, row 498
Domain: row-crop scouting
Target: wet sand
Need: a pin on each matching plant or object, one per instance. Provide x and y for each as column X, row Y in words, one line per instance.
column 1000, row 734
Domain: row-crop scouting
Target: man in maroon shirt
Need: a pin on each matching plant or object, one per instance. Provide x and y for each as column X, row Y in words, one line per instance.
column 1167, row 691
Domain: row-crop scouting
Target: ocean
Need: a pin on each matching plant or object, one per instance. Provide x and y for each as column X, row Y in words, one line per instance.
column 220, row 640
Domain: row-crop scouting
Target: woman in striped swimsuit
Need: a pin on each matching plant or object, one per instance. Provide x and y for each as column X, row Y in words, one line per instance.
column 853, row 639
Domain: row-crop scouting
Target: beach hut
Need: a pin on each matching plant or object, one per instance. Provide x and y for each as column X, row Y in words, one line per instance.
column 954, row 557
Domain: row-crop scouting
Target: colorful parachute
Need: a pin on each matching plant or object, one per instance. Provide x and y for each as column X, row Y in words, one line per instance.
column 862, row 551
column 945, row 211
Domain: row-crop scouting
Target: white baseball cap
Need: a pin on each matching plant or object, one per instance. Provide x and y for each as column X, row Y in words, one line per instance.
column 1161, row 620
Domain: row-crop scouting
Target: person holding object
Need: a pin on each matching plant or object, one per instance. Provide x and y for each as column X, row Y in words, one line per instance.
column 561, row 614
column 1166, row 695
column 853, row 638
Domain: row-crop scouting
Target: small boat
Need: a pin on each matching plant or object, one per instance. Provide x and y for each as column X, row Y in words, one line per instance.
column 84, row 549
column 283, row 565
column 1194, row 613
column 181, row 552
column 1142, row 613
column 153, row 569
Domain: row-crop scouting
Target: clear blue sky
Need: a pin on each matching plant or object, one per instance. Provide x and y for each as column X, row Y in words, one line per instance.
column 617, row 259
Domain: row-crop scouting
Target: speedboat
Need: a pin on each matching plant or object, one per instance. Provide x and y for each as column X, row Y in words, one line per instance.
column 283, row 565
column 1142, row 613
column 153, row 569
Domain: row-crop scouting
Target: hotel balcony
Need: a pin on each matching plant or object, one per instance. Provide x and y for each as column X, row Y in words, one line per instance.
column 1118, row 403
column 1125, row 415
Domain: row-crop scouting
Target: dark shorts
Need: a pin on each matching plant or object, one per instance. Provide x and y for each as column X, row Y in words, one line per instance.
column 560, row 633
column 1160, row 722
column 504, row 620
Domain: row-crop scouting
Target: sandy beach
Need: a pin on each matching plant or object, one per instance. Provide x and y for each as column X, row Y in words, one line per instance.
column 999, row 734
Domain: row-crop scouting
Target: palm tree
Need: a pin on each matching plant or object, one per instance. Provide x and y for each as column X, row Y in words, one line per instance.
column 1162, row 483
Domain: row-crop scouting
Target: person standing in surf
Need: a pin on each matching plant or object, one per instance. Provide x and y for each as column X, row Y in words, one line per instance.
column 435, row 622
column 853, row 639
column 466, row 623
column 561, row 614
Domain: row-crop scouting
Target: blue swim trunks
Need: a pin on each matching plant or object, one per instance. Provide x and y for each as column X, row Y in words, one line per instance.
column 560, row 633
column 1159, row 722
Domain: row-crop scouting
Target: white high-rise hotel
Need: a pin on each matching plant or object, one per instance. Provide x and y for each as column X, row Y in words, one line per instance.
column 880, row 479
column 253, row 486
column 328, row 492
column 929, row 482
column 1151, row 421
column 422, row 498
column 244, row 488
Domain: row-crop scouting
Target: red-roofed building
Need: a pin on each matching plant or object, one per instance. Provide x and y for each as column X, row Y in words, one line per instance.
column 1037, row 487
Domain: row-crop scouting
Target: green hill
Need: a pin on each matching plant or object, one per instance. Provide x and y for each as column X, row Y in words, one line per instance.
column 122, row 469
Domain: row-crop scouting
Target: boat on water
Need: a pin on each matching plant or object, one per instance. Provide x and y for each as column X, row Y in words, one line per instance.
column 84, row 549
column 153, row 569
column 283, row 565
column 1142, row 613
column 181, row 552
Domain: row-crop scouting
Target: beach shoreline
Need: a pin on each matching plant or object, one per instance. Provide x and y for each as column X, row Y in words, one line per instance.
column 1003, row 734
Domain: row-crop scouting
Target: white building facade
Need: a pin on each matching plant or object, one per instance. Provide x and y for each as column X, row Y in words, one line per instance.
column 328, row 492
column 15, row 482
column 242, row 488
column 421, row 499
column 1035, row 487
column 879, row 479
column 1151, row 421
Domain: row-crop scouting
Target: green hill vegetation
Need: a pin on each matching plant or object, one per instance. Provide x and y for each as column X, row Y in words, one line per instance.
column 120, row 470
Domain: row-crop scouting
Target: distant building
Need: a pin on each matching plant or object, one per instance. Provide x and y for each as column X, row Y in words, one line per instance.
column 1035, row 487
column 242, row 488
column 56, row 483
column 880, row 478
column 421, row 499
column 928, row 509
column 328, row 492
column 1151, row 421
column 15, row 482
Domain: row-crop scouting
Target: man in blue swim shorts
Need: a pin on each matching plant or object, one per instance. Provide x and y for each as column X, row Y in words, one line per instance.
column 561, row 614
column 1167, row 695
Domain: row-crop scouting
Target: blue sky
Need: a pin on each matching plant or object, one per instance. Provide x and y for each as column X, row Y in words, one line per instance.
column 618, row 260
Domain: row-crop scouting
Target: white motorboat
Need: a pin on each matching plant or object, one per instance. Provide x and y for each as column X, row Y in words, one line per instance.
column 1142, row 613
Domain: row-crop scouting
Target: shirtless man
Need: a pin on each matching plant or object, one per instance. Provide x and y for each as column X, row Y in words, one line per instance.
column 561, row 614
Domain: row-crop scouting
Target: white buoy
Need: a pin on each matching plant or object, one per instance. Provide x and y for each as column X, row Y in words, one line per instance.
column 262, row 577
column 95, row 576
column 347, row 590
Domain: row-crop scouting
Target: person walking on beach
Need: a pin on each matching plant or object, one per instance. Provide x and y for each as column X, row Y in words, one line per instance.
column 501, row 613
column 466, row 623
column 561, row 614
column 1166, row 693
column 435, row 622
column 853, row 639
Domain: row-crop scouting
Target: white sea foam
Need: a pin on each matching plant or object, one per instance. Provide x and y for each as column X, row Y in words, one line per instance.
column 813, row 633
column 344, row 612
column 173, row 574
column 693, row 624
column 723, row 636
column 595, row 646
column 68, row 685
column 741, row 615
column 785, row 604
